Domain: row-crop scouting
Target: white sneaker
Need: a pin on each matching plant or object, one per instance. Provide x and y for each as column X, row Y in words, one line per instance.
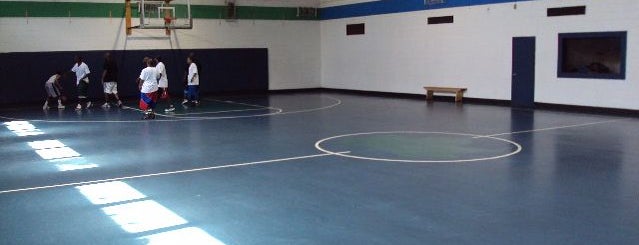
column 184, row 102
column 79, row 107
column 88, row 104
column 170, row 109
column 61, row 107
column 106, row 105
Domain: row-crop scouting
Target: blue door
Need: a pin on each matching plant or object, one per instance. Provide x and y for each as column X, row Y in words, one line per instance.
column 523, row 73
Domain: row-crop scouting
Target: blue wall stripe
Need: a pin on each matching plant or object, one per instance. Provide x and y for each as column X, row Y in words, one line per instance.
column 397, row 6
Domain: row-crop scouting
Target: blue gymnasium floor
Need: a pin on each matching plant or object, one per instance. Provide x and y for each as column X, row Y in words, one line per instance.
column 319, row 168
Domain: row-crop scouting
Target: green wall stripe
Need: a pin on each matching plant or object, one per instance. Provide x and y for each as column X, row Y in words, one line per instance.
column 59, row 9
column 116, row 10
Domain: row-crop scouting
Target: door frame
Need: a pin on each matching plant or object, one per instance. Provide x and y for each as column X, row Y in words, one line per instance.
column 516, row 72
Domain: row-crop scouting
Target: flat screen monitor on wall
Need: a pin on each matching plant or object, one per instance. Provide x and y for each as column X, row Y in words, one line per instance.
column 597, row 55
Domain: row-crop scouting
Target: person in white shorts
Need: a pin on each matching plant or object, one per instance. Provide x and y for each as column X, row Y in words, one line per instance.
column 163, row 84
column 110, row 80
column 53, row 88
column 82, row 72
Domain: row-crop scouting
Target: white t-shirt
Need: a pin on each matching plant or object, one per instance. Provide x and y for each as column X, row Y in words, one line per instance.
column 51, row 80
column 164, row 81
column 194, row 78
column 80, row 71
column 149, row 78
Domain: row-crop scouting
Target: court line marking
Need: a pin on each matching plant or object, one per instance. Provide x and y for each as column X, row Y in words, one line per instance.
column 277, row 111
column 339, row 102
column 178, row 115
column 158, row 114
column 319, row 147
column 179, row 119
column 552, row 128
column 215, row 112
column 166, row 173
column 241, row 103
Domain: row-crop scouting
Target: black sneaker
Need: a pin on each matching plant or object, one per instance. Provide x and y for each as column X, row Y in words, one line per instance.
column 148, row 116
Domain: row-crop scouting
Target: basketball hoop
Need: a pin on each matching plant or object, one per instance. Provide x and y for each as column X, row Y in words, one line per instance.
column 161, row 14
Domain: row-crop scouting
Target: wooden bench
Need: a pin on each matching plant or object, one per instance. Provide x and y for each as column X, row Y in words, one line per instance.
column 459, row 92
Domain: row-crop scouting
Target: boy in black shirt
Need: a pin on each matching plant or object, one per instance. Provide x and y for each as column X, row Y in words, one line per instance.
column 110, row 80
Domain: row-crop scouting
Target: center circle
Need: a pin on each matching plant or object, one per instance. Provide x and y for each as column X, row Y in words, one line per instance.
column 418, row 147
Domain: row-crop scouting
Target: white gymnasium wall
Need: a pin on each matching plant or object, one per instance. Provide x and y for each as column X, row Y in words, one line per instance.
column 293, row 46
column 401, row 53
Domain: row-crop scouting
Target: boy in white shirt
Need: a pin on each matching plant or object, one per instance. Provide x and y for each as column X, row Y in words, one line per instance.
column 53, row 88
column 163, row 84
column 148, row 84
column 82, row 72
column 193, row 83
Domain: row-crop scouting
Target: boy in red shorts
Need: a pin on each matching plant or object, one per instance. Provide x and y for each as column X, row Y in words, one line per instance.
column 148, row 84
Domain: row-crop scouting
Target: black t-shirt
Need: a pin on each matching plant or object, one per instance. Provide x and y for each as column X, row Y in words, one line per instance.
column 111, row 69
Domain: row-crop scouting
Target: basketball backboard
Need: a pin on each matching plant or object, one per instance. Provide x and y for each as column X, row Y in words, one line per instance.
column 165, row 14
column 158, row 14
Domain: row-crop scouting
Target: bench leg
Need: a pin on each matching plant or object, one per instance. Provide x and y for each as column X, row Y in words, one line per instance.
column 458, row 96
column 429, row 95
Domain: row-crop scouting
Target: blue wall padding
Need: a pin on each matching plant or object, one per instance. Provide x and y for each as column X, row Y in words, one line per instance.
column 224, row 70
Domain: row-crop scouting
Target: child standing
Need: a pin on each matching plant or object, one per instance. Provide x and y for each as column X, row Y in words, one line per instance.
column 163, row 83
column 110, row 80
column 148, row 85
column 193, row 82
column 53, row 88
column 82, row 81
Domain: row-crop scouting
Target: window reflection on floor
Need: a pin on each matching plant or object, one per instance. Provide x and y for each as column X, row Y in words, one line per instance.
column 73, row 163
column 135, row 213
column 23, row 128
column 132, row 210
column 141, row 216
column 110, row 192
column 190, row 235
column 64, row 158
